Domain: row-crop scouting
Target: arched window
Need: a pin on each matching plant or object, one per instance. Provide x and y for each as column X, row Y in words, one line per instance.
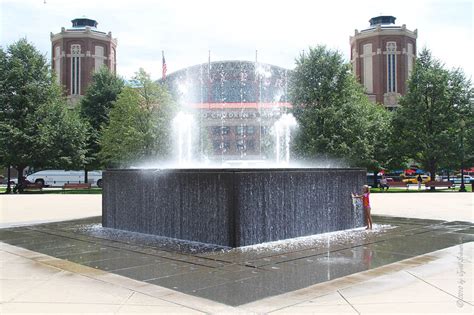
column 391, row 67
column 57, row 63
column 410, row 57
column 367, row 72
column 99, row 57
column 75, row 69
column 112, row 60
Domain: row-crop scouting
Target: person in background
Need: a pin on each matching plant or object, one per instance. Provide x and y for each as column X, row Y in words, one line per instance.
column 383, row 183
column 419, row 180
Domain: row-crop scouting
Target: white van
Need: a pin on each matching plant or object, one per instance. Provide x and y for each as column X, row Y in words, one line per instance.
column 57, row 178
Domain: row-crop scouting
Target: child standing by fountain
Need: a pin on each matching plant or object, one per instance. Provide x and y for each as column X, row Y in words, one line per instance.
column 366, row 204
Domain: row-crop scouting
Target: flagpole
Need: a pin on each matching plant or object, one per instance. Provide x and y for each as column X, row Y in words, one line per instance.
column 209, row 79
column 257, row 95
column 163, row 66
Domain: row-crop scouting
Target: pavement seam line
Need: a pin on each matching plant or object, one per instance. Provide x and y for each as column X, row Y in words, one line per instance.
column 434, row 286
column 125, row 301
column 353, row 307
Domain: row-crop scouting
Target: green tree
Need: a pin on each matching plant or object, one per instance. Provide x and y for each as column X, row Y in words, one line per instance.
column 428, row 122
column 35, row 126
column 139, row 127
column 95, row 107
column 335, row 117
column 62, row 136
column 123, row 141
column 161, row 109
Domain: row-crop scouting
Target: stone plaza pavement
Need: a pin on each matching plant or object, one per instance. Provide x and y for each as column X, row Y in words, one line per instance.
column 437, row 282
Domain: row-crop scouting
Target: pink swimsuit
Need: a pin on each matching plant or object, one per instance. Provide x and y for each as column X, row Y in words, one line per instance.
column 365, row 200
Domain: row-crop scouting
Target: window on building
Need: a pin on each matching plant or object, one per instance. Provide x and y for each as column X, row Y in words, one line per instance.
column 112, row 60
column 57, row 63
column 240, row 130
column 240, row 145
column 367, row 64
column 220, row 130
column 391, row 67
column 354, row 60
column 221, row 145
column 250, row 145
column 75, row 69
column 410, row 57
column 250, row 130
column 99, row 57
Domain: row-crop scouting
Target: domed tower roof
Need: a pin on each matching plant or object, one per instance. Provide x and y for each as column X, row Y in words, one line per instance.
column 382, row 20
column 83, row 22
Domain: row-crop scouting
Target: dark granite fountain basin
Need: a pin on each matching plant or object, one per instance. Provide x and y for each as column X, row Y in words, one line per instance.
column 232, row 207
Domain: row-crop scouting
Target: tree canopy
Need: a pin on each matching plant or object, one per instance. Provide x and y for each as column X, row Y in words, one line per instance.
column 36, row 128
column 139, row 127
column 95, row 107
column 429, row 120
column 335, row 117
column 124, row 139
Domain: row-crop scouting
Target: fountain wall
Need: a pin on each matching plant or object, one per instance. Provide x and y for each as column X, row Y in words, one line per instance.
column 232, row 207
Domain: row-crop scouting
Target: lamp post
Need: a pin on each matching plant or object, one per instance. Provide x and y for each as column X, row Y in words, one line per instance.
column 462, row 188
column 9, row 188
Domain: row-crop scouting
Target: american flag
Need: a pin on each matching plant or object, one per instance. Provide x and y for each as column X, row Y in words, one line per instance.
column 163, row 68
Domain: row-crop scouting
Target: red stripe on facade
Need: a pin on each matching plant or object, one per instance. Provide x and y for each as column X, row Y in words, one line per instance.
column 240, row 105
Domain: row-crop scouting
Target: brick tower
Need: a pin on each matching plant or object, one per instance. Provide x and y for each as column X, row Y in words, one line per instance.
column 382, row 59
column 78, row 52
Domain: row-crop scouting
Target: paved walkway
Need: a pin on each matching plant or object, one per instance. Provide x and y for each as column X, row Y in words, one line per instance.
column 438, row 282
column 18, row 210
column 449, row 206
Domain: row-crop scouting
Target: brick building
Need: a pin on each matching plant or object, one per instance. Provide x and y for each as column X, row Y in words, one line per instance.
column 78, row 52
column 382, row 59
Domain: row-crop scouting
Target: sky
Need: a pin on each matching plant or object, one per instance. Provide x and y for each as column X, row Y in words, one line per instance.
column 187, row 30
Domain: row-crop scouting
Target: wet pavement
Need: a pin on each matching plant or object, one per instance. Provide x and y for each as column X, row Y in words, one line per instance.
column 239, row 276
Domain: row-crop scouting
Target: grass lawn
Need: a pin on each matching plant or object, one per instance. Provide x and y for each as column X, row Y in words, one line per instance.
column 422, row 190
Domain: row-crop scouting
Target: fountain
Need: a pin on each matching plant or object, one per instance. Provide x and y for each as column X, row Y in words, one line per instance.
column 182, row 126
column 233, row 206
column 282, row 130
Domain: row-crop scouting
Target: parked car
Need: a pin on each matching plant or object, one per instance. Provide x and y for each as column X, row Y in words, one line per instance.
column 57, row 178
column 414, row 180
column 3, row 180
column 370, row 180
column 457, row 180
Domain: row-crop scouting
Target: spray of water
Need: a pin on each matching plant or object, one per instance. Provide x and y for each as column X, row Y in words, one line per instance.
column 182, row 127
column 282, row 131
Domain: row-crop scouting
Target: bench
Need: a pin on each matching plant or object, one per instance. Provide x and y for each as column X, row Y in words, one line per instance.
column 31, row 186
column 397, row 184
column 76, row 186
column 439, row 184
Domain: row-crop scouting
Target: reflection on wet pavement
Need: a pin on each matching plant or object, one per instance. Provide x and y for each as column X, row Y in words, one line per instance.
column 242, row 275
